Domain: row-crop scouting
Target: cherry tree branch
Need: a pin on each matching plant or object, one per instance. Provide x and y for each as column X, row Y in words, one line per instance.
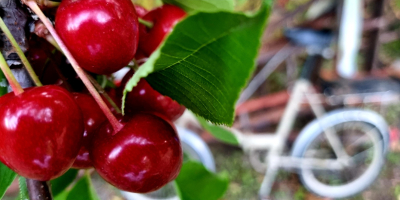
column 21, row 54
column 38, row 190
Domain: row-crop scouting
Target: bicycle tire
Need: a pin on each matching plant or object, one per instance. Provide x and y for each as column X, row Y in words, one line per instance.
column 379, row 137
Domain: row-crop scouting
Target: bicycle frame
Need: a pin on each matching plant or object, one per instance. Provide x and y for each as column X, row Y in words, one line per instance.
column 274, row 142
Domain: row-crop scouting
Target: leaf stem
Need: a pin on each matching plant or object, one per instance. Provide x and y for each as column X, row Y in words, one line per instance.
column 148, row 24
column 16, row 87
column 38, row 190
column 117, row 126
column 104, row 93
column 21, row 54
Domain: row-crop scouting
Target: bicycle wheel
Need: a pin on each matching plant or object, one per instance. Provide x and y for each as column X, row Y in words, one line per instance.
column 194, row 148
column 361, row 140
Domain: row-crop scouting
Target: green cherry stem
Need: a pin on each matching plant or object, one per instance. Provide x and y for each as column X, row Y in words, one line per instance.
column 9, row 76
column 16, row 87
column 104, row 93
column 117, row 126
column 21, row 54
column 41, row 31
column 148, row 24
column 48, row 3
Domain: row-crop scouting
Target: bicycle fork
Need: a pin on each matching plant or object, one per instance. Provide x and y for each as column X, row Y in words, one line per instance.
column 282, row 133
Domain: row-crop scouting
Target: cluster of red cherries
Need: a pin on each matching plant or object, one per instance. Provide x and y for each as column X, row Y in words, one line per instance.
column 47, row 130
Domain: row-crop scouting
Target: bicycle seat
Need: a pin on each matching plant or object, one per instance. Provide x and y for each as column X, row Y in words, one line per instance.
column 369, row 85
column 309, row 37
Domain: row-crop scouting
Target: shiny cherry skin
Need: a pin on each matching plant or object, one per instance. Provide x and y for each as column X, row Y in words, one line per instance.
column 143, row 98
column 93, row 117
column 102, row 35
column 144, row 156
column 40, row 132
column 164, row 19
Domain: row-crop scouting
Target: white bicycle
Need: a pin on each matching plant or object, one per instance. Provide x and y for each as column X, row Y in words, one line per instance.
column 337, row 155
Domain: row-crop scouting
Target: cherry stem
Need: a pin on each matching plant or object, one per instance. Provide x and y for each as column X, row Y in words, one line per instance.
column 117, row 126
column 48, row 3
column 104, row 93
column 41, row 31
column 52, row 41
column 38, row 190
column 21, row 54
column 148, row 24
column 16, row 87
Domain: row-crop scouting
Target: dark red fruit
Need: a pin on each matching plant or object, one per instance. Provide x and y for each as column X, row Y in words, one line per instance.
column 39, row 55
column 93, row 117
column 41, row 132
column 143, row 98
column 102, row 35
column 164, row 19
column 144, row 156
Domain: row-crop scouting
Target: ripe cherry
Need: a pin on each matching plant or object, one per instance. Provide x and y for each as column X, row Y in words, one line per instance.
column 164, row 19
column 144, row 156
column 40, row 132
column 93, row 117
column 144, row 98
column 102, row 35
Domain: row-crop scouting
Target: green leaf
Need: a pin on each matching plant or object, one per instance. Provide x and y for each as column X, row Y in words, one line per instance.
column 59, row 184
column 219, row 132
column 83, row 190
column 7, row 176
column 3, row 84
column 23, row 189
column 205, row 62
column 62, row 196
column 203, row 5
column 195, row 182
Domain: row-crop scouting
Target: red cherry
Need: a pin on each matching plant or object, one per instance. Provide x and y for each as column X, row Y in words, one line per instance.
column 144, row 156
column 93, row 117
column 102, row 35
column 143, row 98
column 164, row 19
column 140, row 11
column 40, row 132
